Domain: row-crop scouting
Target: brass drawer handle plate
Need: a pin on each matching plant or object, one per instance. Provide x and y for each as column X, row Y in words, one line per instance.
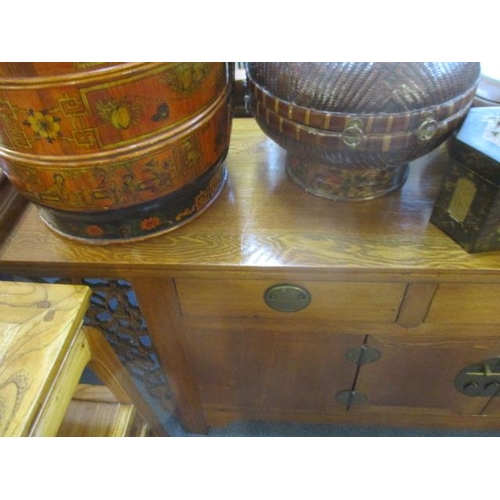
column 287, row 298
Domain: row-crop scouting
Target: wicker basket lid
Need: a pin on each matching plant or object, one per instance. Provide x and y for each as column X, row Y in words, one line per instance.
column 366, row 87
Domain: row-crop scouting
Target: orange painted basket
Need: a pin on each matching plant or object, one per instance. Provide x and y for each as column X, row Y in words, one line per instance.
column 113, row 152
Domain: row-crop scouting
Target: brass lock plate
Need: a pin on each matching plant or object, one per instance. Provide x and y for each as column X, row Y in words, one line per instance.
column 287, row 298
column 481, row 379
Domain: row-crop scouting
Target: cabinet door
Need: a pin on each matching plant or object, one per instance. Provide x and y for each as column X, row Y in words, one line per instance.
column 420, row 374
column 272, row 371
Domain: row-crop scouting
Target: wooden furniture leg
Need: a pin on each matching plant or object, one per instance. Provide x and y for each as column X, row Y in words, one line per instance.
column 106, row 365
column 158, row 303
column 43, row 351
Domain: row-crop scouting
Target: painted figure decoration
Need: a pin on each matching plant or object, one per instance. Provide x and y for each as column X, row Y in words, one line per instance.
column 113, row 152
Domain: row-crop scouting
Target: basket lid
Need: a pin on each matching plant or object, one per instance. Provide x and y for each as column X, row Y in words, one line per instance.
column 367, row 87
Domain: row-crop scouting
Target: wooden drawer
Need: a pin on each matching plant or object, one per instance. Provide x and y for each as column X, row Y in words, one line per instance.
column 465, row 303
column 339, row 301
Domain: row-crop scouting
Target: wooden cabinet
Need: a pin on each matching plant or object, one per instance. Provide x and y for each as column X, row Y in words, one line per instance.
column 375, row 276
column 251, row 360
column 458, row 303
column 419, row 374
column 270, row 371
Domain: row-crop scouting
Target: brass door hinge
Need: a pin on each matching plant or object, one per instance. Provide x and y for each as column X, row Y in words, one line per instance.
column 363, row 354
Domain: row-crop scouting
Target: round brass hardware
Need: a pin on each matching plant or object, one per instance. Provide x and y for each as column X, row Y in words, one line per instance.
column 287, row 298
column 427, row 130
column 353, row 134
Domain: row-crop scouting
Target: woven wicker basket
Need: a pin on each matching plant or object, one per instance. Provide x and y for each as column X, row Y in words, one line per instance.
column 350, row 129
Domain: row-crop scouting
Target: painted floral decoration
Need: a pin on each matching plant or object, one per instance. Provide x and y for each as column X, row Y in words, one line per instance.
column 94, row 230
column 44, row 125
column 121, row 114
column 150, row 223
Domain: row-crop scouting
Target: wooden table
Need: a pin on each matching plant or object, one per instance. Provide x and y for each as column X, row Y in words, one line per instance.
column 43, row 351
column 381, row 280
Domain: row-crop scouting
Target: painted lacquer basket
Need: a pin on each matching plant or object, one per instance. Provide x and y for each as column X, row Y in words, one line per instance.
column 351, row 128
column 114, row 152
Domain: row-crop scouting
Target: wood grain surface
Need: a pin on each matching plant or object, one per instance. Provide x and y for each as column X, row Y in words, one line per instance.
column 379, row 273
column 43, row 352
column 37, row 325
column 263, row 222
column 94, row 412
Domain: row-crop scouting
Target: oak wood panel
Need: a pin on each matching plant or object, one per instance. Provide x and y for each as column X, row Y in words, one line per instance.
column 113, row 374
column 272, row 371
column 420, row 373
column 52, row 409
column 43, row 352
column 416, row 303
column 312, row 327
column 476, row 303
column 263, row 220
column 306, row 375
column 38, row 324
column 96, row 416
column 158, row 303
column 329, row 301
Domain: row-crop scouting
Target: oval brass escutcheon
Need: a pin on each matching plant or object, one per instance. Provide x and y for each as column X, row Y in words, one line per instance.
column 350, row 398
column 287, row 298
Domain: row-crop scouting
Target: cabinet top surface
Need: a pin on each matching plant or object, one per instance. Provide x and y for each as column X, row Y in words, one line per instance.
column 262, row 221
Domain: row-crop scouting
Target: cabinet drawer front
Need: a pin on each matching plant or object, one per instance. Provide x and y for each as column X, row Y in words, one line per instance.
column 339, row 301
column 465, row 303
